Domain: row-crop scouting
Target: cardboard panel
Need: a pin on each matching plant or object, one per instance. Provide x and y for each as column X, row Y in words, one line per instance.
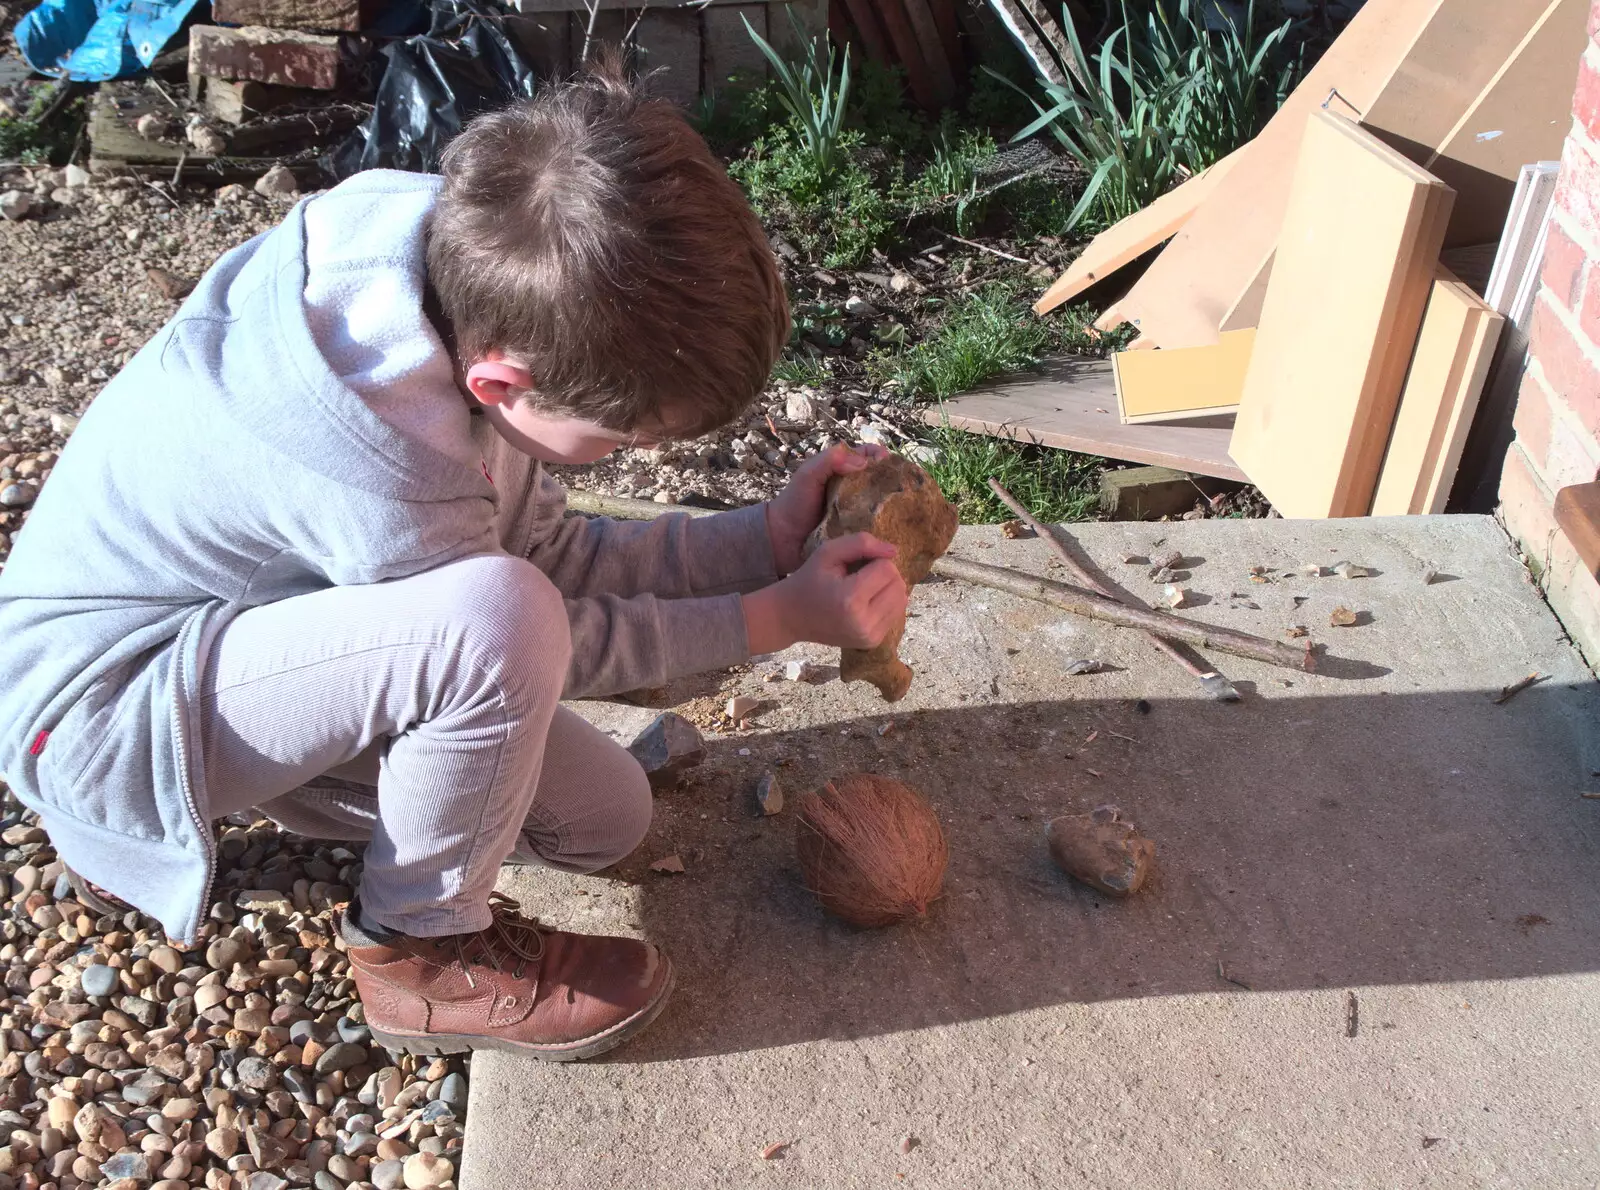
column 1355, row 262
column 1457, row 340
column 1130, row 238
column 1182, row 299
column 1182, row 382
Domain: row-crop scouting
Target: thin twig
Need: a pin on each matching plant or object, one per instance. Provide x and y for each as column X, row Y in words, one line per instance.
column 177, row 170
column 1516, row 688
column 1222, row 973
column 1083, row 576
column 984, row 248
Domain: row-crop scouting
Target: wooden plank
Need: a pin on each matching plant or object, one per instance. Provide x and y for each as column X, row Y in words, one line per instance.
column 1246, row 309
column 1355, row 262
column 114, row 142
column 668, row 43
column 1522, row 115
column 1130, row 238
column 1180, row 383
column 920, row 79
column 731, row 57
column 1577, row 512
column 933, row 56
column 1071, row 404
column 1182, row 299
column 1448, row 369
column 869, row 30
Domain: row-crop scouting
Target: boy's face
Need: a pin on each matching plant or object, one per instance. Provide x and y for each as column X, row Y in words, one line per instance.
column 499, row 387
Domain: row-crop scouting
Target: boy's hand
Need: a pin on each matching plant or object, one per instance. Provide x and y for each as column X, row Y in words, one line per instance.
column 795, row 511
column 848, row 594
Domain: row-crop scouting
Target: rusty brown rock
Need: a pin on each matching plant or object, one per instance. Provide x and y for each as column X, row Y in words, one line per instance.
column 896, row 501
column 1102, row 850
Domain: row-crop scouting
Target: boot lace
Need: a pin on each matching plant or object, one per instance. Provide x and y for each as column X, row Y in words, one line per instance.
column 509, row 935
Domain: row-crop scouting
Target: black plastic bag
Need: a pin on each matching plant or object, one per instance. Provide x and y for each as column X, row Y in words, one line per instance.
column 432, row 85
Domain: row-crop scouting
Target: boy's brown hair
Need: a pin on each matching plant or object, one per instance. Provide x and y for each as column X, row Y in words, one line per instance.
column 590, row 235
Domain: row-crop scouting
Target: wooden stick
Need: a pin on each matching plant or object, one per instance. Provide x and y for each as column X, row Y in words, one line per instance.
column 1025, row 586
column 1109, row 611
column 1214, row 682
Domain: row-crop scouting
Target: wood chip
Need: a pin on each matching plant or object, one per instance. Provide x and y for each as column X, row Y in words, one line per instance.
column 775, row 1150
column 1516, row 688
column 668, row 864
column 1343, row 617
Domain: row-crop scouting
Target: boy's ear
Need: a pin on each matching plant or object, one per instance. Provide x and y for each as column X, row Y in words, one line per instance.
column 496, row 381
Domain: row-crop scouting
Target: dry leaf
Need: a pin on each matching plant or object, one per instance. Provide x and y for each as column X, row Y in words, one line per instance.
column 1081, row 665
column 1163, row 574
column 668, row 863
column 1342, row 617
column 1090, row 738
column 1171, row 560
column 1015, row 529
column 1296, row 631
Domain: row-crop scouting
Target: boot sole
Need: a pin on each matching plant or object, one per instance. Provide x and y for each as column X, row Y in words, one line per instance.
column 430, row 1044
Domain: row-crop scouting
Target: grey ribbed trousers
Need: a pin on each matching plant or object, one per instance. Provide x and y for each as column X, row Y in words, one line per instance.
column 422, row 716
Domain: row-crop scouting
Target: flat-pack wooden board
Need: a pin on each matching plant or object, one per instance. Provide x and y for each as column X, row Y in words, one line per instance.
column 1246, row 308
column 1355, row 263
column 1180, row 383
column 1128, row 239
column 1522, row 115
column 1448, row 368
column 1071, row 404
column 1183, row 297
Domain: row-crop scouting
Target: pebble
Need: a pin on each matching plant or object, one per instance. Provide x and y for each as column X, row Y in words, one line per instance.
column 256, row 1073
column 741, row 705
column 18, row 495
column 427, row 1170
column 15, row 205
column 97, row 980
column 279, row 180
column 225, row 952
column 127, row 1165
column 769, row 795
column 342, row 1056
column 453, row 1091
column 388, row 1175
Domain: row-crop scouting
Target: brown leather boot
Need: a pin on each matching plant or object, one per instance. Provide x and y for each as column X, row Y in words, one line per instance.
column 515, row 986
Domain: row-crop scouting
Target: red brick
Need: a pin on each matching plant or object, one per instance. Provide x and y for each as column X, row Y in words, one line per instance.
column 1578, row 191
column 338, row 15
column 1568, row 368
column 1532, row 418
column 1589, row 315
column 282, row 57
column 1586, row 99
column 1563, row 271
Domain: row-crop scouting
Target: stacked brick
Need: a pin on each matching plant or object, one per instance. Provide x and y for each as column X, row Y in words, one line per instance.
column 1557, row 423
column 262, row 52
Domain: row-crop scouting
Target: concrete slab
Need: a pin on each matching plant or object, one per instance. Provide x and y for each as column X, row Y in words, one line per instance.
column 1368, row 956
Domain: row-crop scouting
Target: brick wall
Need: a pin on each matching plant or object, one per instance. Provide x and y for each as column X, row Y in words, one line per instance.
column 1558, row 407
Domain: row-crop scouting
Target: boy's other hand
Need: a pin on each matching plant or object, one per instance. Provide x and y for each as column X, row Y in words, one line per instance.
column 848, row 593
column 795, row 511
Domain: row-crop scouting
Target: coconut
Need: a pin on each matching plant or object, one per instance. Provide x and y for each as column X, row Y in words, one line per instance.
column 871, row 849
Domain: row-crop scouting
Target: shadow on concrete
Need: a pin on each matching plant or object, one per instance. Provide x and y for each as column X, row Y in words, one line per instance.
column 1301, row 843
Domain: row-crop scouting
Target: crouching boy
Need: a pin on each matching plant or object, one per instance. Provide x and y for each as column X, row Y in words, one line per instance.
column 301, row 556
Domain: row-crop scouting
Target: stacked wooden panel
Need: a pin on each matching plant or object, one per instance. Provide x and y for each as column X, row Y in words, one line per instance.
column 1355, row 259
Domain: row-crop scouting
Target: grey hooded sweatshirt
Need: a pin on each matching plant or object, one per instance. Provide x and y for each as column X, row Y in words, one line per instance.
column 295, row 426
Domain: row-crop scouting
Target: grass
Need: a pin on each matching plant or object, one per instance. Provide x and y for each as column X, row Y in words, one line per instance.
column 1055, row 485
column 44, row 133
column 981, row 335
column 839, row 216
column 801, row 365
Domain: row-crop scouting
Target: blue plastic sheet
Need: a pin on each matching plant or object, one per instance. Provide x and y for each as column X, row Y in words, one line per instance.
column 95, row 40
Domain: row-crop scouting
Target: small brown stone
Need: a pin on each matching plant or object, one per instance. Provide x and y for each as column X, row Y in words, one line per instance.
column 1102, row 850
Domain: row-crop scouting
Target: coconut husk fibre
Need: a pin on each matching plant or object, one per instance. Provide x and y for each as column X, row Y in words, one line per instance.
column 896, row 501
column 871, row 849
